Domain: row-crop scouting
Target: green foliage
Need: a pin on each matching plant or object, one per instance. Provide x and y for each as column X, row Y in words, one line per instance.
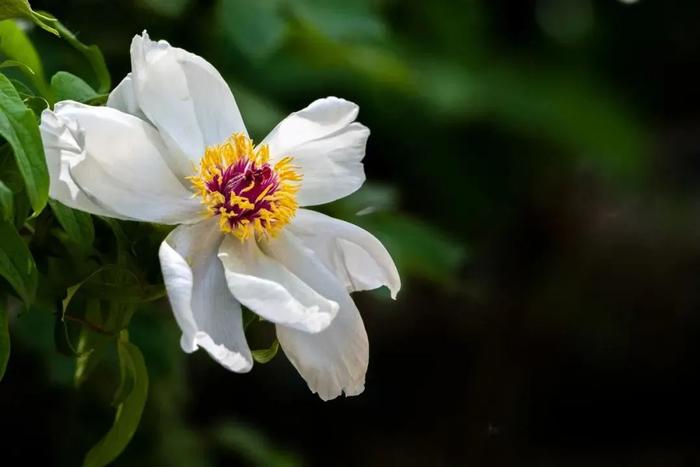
column 18, row 126
column 265, row 355
column 16, row 263
column 256, row 28
column 22, row 9
column 16, row 46
column 253, row 446
column 4, row 339
column 131, row 400
column 7, row 206
column 93, row 55
column 77, row 225
column 419, row 249
column 67, row 86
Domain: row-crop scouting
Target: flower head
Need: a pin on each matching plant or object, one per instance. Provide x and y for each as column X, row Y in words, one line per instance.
column 171, row 147
column 249, row 195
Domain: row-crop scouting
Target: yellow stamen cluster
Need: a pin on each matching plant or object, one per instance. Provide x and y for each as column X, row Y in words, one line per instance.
column 241, row 214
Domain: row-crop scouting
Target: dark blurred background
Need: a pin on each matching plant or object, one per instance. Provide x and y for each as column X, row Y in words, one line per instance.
column 534, row 168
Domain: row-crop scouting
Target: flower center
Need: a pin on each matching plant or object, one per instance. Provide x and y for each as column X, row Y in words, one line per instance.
column 249, row 194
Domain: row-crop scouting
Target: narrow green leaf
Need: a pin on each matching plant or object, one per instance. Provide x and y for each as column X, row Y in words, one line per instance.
column 91, row 52
column 265, row 355
column 18, row 126
column 4, row 339
column 16, row 263
column 128, row 414
column 17, row 47
column 7, row 203
column 21, row 9
column 91, row 345
column 77, row 224
column 62, row 339
column 67, row 86
column 22, row 89
column 22, row 66
column 36, row 104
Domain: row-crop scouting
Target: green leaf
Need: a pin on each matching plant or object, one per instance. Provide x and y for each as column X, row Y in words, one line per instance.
column 22, row 89
column 7, row 203
column 4, row 339
column 128, row 414
column 265, row 355
column 21, row 9
column 62, row 338
column 91, row 345
column 91, row 52
column 419, row 249
column 340, row 19
column 168, row 8
column 67, row 86
column 18, row 126
column 17, row 47
column 256, row 28
column 253, row 447
column 36, row 104
column 16, row 263
column 77, row 224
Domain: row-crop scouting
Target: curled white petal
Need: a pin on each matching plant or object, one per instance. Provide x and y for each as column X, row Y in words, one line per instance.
column 205, row 310
column 271, row 290
column 64, row 147
column 185, row 97
column 333, row 361
column 117, row 162
column 123, row 98
column 356, row 257
column 327, row 145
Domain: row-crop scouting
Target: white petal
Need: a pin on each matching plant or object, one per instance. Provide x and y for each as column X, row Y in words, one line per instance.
column 204, row 308
column 327, row 147
column 185, row 98
column 270, row 290
column 356, row 257
column 333, row 361
column 64, row 147
column 120, row 165
column 123, row 98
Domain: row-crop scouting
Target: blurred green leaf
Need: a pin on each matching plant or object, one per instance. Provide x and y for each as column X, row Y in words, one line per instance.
column 265, row 355
column 372, row 197
column 22, row 89
column 91, row 345
column 66, row 86
column 18, row 126
column 4, row 338
column 341, row 20
column 22, row 66
column 253, row 446
column 77, row 224
column 261, row 114
column 93, row 55
column 169, row 8
column 128, row 414
column 16, row 263
column 7, row 203
column 593, row 126
column 17, row 47
column 21, row 9
column 419, row 249
column 62, row 337
column 255, row 28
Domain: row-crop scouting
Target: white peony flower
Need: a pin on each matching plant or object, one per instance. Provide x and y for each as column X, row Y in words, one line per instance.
column 171, row 147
